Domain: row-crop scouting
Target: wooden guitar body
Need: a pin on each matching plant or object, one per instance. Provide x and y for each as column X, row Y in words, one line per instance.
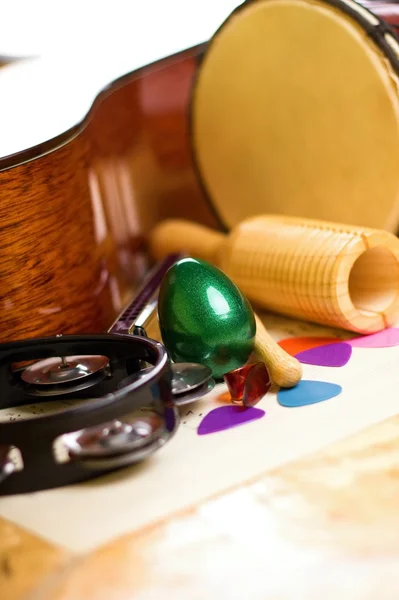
column 74, row 209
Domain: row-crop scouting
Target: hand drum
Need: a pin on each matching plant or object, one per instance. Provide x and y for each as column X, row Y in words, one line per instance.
column 295, row 111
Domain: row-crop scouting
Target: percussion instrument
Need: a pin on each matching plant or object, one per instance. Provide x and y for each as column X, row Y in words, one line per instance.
column 328, row 273
column 295, row 111
column 101, row 433
column 117, row 394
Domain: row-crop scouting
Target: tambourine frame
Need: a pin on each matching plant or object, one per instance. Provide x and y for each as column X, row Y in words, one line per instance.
column 35, row 437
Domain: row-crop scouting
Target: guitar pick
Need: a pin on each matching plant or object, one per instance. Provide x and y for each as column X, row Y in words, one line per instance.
column 226, row 417
column 308, row 392
column 295, row 345
column 331, row 355
column 249, row 384
column 383, row 339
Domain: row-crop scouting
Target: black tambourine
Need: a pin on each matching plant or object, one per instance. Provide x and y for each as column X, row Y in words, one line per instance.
column 127, row 409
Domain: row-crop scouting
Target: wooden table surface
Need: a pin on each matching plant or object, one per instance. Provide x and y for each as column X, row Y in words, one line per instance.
column 325, row 526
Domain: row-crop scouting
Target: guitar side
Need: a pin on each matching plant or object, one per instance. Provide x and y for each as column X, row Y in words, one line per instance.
column 75, row 211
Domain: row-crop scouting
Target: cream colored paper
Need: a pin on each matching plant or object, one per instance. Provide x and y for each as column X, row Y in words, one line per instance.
column 192, row 468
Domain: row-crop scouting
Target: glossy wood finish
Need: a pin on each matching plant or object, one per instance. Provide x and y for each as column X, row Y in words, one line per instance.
column 56, row 270
column 143, row 158
column 73, row 222
column 323, row 526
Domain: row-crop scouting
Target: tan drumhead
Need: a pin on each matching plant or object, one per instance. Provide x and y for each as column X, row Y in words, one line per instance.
column 296, row 111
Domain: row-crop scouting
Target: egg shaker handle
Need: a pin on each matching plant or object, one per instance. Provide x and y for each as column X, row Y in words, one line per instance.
column 285, row 370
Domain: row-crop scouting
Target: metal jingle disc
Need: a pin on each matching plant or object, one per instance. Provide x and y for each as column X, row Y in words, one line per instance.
column 123, row 460
column 186, row 377
column 61, row 370
column 114, row 438
column 7, row 467
column 62, row 389
column 189, row 376
column 134, row 377
column 195, row 394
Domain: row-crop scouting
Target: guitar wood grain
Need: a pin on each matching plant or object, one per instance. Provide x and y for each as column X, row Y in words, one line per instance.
column 74, row 221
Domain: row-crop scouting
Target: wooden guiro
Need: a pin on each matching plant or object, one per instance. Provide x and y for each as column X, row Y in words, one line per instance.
column 328, row 273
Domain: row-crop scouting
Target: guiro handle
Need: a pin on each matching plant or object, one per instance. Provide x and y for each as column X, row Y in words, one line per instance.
column 333, row 274
column 173, row 236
